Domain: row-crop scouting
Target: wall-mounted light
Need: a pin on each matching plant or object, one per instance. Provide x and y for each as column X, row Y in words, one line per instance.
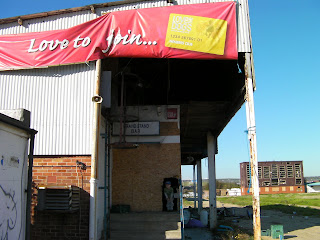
column 93, row 10
column 20, row 22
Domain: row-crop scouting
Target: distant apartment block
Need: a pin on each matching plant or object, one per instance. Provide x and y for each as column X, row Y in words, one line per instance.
column 274, row 177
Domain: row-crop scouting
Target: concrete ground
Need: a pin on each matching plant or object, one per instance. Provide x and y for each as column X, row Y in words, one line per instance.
column 198, row 234
column 145, row 226
column 295, row 227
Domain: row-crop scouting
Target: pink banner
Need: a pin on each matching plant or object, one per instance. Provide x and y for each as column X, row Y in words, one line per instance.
column 196, row 31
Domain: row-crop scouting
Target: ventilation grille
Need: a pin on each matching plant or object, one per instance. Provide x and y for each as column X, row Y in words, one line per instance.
column 59, row 198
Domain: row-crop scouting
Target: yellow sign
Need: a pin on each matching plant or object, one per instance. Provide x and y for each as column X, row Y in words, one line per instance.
column 199, row 34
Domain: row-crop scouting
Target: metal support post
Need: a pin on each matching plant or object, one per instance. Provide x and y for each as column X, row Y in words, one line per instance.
column 211, row 142
column 194, row 187
column 251, row 125
column 29, row 188
column 199, row 185
column 96, row 99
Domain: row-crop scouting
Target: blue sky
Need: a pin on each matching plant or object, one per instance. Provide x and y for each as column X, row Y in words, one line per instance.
column 286, row 37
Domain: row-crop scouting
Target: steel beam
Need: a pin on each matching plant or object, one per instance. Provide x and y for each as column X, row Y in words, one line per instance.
column 211, row 142
column 199, row 185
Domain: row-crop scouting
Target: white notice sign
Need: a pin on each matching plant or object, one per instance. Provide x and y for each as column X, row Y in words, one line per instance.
column 138, row 128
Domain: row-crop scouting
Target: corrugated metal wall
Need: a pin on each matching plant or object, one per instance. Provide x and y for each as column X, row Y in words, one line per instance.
column 68, row 20
column 59, row 99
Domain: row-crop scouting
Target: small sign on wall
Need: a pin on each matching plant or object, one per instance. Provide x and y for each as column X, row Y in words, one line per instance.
column 172, row 113
column 138, row 128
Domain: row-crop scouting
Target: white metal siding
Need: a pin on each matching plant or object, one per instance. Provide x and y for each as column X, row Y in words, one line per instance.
column 56, row 22
column 68, row 20
column 59, row 99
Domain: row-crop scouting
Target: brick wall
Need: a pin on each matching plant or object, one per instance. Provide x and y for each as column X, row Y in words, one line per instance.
column 61, row 171
column 276, row 190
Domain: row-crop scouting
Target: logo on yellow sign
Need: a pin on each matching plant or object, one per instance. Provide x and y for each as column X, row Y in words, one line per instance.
column 199, row 34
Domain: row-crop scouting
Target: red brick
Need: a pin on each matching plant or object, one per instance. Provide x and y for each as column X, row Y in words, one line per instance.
column 52, row 179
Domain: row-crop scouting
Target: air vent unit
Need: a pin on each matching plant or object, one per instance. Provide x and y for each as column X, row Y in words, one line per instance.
column 58, row 198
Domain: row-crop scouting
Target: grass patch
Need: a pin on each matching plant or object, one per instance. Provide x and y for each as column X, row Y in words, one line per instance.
column 286, row 203
column 302, row 211
column 187, row 203
column 302, row 199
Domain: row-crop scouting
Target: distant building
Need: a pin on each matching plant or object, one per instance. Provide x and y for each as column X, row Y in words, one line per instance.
column 234, row 192
column 274, row 177
column 313, row 187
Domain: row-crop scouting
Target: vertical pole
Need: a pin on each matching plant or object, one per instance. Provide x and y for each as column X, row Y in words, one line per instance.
column 199, row 185
column 95, row 154
column 105, row 181
column 251, row 125
column 181, row 209
column 194, row 186
column 109, row 180
column 29, row 188
column 211, row 142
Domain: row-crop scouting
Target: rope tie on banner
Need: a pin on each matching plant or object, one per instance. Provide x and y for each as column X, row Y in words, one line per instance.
column 239, row 69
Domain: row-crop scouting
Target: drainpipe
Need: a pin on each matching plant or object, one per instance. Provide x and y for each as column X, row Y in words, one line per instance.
column 251, row 125
column 29, row 188
column 97, row 100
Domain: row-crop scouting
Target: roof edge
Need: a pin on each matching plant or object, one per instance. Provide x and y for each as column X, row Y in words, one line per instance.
column 16, row 123
column 68, row 10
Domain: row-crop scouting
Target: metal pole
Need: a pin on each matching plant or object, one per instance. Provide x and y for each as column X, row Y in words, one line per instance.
column 194, row 186
column 105, row 181
column 251, row 125
column 97, row 99
column 109, row 181
column 211, row 142
column 181, row 209
column 29, row 188
column 199, row 184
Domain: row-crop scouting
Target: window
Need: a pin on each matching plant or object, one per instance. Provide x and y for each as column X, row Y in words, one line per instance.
column 297, row 168
column 298, row 181
column 259, row 172
column 290, row 171
column 283, row 182
column 248, row 182
column 248, row 171
column 266, row 183
column 282, row 171
column 266, row 172
column 274, row 182
column 274, row 169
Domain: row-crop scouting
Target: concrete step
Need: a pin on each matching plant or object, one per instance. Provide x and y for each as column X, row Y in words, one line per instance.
column 145, row 226
column 146, row 235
